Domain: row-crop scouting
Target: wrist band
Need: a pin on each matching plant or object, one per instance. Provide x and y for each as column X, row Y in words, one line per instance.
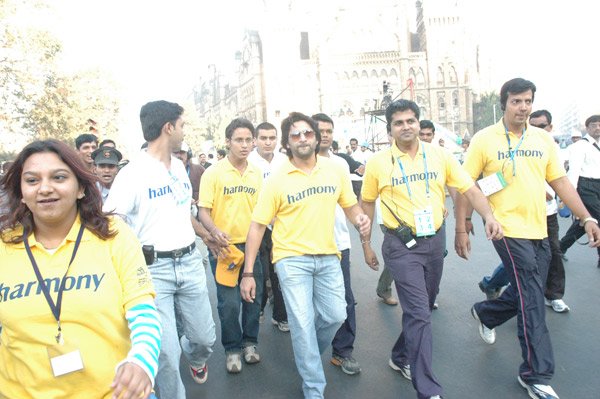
column 458, row 232
column 247, row 275
column 366, row 242
column 588, row 219
column 468, row 219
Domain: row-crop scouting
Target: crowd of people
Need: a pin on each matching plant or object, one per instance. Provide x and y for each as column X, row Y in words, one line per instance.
column 98, row 300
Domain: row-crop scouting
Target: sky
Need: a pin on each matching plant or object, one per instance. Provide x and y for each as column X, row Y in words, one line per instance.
column 159, row 49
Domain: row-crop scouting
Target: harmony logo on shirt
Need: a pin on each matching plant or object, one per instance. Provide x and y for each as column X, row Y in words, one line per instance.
column 160, row 191
column 414, row 177
column 86, row 281
column 310, row 191
column 239, row 189
column 521, row 153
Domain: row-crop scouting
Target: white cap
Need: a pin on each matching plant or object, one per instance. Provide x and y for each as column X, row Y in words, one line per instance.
column 184, row 147
column 576, row 133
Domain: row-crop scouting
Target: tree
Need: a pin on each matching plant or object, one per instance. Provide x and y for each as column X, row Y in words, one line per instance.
column 38, row 100
column 483, row 110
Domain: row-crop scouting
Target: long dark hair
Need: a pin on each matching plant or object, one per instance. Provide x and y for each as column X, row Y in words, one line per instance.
column 89, row 207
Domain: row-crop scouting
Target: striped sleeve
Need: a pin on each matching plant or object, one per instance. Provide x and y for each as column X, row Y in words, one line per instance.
column 146, row 332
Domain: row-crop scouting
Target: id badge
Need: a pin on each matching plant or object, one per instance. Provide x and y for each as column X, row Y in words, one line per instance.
column 424, row 222
column 492, row 184
column 64, row 359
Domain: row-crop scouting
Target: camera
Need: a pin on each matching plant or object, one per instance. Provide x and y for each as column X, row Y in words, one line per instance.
column 405, row 235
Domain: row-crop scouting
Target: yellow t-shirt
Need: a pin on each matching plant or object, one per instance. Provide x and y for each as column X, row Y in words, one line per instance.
column 304, row 208
column 231, row 197
column 521, row 206
column 105, row 279
column 384, row 178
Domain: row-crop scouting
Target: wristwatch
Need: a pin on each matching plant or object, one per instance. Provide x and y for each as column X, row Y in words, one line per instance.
column 588, row 219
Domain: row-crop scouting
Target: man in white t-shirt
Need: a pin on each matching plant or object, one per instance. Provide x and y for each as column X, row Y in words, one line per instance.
column 154, row 195
column 268, row 160
column 343, row 342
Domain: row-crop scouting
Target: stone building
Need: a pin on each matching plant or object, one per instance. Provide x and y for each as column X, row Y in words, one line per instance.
column 343, row 60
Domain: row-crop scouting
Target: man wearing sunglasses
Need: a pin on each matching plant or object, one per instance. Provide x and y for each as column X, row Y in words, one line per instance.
column 525, row 252
column 301, row 198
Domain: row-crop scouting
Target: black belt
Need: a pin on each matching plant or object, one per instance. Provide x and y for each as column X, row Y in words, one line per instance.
column 591, row 179
column 386, row 229
column 176, row 253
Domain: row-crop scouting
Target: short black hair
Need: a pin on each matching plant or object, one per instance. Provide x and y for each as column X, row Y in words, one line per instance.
column 106, row 141
column 85, row 138
column 222, row 152
column 515, row 86
column 542, row 112
column 427, row 124
column 286, row 127
column 238, row 123
column 155, row 114
column 321, row 117
column 265, row 126
column 592, row 119
column 335, row 146
column 400, row 105
column 355, row 140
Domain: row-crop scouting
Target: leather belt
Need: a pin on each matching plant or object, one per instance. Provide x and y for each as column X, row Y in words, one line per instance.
column 176, row 253
column 386, row 229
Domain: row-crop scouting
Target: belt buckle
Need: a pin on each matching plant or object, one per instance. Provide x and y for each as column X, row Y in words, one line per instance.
column 178, row 253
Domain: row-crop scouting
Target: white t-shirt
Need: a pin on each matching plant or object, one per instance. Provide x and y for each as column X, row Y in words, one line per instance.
column 154, row 201
column 340, row 228
column 265, row 166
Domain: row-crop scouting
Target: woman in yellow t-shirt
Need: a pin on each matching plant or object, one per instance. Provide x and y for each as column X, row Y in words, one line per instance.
column 76, row 298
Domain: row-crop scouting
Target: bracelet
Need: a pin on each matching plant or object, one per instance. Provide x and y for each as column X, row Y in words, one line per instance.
column 588, row 219
column 458, row 232
column 365, row 242
column 247, row 275
column 468, row 219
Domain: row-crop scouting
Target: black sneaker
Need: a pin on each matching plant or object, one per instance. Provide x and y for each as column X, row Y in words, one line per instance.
column 538, row 391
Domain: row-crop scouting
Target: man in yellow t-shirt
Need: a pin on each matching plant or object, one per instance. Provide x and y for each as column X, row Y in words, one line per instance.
column 228, row 193
column 410, row 178
column 516, row 159
column 301, row 198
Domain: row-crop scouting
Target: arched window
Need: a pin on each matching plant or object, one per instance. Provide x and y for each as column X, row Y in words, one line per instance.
column 441, row 101
column 453, row 76
column 440, row 77
column 420, row 79
column 455, row 102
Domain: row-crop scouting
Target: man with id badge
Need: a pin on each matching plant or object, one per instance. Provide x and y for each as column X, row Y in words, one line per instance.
column 516, row 159
column 410, row 178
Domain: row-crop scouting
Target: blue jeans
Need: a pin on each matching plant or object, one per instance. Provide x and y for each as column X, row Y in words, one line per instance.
column 233, row 336
column 313, row 289
column 180, row 286
column 497, row 280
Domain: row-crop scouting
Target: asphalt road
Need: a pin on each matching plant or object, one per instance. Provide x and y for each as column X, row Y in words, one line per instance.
column 465, row 365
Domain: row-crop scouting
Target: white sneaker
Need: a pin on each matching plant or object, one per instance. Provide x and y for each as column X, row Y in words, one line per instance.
column 488, row 335
column 538, row 391
column 558, row 305
column 251, row 356
column 234, row 363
